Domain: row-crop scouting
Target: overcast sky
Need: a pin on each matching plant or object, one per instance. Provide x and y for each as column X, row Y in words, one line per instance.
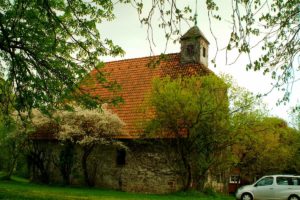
column 127, row 32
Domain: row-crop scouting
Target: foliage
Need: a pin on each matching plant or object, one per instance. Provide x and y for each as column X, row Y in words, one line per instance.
column 242, row 101
column 13, row 143
column 295, row 115
column 273, row 26
column 93, row 125
column 48, row 47
column 83, row 126
column 261, row 139
column 258, row 137
column 169, row 18
column 194, row 111
column 20, row 191
column 12, row 136
column 6, row 103
column 86, row 128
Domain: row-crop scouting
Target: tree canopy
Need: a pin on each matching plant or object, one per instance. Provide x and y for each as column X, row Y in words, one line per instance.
column 219, row 126
column 257, row 143
column 193, row 111
column 269, row 26
column 47, row 47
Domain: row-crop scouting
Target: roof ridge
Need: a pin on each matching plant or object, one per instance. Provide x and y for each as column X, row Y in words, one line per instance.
column 143, row 57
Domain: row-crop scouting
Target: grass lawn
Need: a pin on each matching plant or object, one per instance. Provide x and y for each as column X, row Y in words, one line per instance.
column 20, row 189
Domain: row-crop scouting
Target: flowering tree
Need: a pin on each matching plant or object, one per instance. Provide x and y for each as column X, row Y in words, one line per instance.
column 87, row 128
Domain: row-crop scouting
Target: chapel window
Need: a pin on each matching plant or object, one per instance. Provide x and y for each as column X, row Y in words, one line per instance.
column 121, row 157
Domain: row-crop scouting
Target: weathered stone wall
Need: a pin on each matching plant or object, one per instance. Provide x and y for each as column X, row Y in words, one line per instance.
column 203, row 46
column 151, row 166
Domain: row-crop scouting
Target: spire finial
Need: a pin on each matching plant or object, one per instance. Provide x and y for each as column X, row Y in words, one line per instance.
column 196, row 15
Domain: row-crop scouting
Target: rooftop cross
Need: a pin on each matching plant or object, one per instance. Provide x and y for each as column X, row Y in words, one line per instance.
column 196, row 14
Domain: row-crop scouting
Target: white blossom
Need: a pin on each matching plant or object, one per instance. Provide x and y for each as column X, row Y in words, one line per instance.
column 82, row 126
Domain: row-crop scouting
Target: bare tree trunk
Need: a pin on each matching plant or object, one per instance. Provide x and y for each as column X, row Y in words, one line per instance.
column 66, row 160
column 12, row 164
column 188, row 169
column 11, row 168
column 201, row 181
column 189, row 183
column 87, row 150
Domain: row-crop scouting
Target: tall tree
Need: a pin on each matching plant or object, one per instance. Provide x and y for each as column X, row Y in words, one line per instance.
column 260, row 141
column 12, row 136
column 47, row 47
column 193, row 111
column 13, row 143
column 258, row 137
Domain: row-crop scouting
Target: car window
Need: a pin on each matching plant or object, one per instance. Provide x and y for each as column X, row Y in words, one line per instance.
column 265, row 181
column 294, row 181
column 282, row 180
column 288, row 180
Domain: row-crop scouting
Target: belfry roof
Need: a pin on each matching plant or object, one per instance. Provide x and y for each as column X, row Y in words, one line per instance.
column 194, row 32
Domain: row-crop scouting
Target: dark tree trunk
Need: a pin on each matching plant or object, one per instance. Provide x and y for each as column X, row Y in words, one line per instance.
column 189, row 183
column 201, row 182
column 39, row 160
column 87, row 150
column 188, row 169
column 11, row 169
column 66, row 160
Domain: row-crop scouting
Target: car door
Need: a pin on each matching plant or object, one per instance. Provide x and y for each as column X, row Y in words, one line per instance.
column 283, row 187
column 264, row 189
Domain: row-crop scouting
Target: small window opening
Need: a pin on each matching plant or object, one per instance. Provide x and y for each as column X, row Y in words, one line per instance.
column 121, row 157
column 234, row 179
column 204, row 52
column 190, row 49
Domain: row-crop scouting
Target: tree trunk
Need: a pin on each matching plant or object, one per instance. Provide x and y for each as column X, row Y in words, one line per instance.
column 188, row 169
column 201, row 182
column 189, row 183
column 66, row 160
column 86, row 153
column 11, row 169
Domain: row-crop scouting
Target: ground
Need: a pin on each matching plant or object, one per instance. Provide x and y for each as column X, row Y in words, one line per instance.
column 21, row 189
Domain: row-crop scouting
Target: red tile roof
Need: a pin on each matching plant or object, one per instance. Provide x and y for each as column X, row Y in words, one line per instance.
column 135, row 77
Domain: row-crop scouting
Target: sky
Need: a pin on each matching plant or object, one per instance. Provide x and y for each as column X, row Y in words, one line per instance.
column 127, row 32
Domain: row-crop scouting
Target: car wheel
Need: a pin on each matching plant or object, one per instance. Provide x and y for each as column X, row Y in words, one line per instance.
column 294, row 197
column 247, row 196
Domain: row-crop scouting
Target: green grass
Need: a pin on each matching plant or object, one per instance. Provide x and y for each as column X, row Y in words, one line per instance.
column 21, row 189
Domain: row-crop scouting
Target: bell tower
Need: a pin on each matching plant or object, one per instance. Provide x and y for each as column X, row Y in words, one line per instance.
column 194, row 47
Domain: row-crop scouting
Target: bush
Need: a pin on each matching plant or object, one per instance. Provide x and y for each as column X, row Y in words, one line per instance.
column 209, row 191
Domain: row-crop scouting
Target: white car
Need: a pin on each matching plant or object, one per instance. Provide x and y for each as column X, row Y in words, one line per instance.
column 281, row 187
